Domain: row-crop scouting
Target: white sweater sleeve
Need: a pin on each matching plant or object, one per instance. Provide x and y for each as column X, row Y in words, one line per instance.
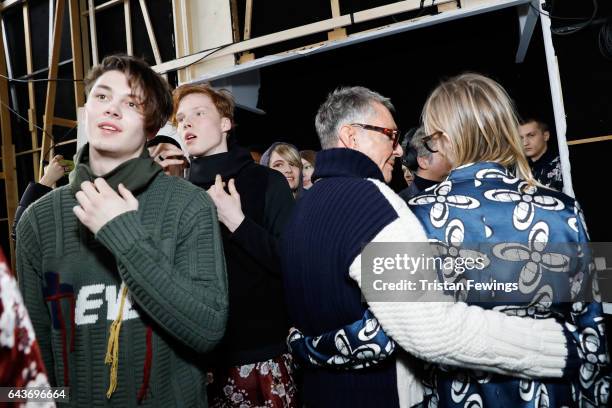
column 461, row 335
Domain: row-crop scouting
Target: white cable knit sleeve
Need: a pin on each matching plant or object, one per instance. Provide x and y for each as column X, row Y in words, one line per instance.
column 461, row 335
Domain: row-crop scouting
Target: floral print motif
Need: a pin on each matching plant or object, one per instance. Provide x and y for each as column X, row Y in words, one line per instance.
column 21, row 362
column 265, row 384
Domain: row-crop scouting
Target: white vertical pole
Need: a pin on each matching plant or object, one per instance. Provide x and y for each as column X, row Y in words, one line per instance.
column 557, row 100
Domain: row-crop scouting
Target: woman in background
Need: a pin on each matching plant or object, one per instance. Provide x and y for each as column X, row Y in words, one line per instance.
column 285, row 158
column 309, row 159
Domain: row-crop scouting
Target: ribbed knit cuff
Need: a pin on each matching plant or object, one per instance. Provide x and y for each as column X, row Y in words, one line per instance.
column 120, row 233
column 543, row 340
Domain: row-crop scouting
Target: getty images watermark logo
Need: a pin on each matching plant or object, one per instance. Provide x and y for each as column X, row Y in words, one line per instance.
column 502, row 272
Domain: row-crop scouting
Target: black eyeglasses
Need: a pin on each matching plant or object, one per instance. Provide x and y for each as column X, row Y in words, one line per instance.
column 392, row 134
column 428, row 138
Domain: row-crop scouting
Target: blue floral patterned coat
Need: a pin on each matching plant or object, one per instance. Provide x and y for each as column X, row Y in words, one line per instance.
column 533, row 237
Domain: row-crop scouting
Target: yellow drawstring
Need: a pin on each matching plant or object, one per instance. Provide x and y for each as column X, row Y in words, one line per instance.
column 112, row 351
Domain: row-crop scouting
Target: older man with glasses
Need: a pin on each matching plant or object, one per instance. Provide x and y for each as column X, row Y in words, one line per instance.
column 350, row 206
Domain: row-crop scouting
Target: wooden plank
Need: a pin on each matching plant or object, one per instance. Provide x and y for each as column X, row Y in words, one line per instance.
column 104, row 6
column 77, row 54
column 335, row 8
column 394, row 8
column 52, row 85
column 128, row 27
column 297, row 32
column 337, row 34
column 444, row 7
column 248, row 17
column 235, row 20
column 8, row 149
column 84, row 37
column 181, row 34
column 7, row 4
column 67, row 123
column 589, row 140
column 92, row 33
column 65, row 142
column 150, row 32
column 31, row 88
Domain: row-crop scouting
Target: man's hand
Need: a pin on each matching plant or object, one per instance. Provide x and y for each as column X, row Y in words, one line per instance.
column 171, row 158
column 53, row 172
column 228, row 206
column 99, row 203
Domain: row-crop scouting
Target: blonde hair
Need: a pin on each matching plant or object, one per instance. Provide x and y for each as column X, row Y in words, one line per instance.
column 479, row 119
column 289, row 153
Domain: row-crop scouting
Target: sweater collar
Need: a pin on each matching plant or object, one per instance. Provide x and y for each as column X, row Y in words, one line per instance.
column 204, row 169
column 343, row 162
column 135, row 174
column 423, row 183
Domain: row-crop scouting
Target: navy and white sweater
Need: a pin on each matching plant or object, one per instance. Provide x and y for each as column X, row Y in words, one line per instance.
column 322, row 238
column 347, row 208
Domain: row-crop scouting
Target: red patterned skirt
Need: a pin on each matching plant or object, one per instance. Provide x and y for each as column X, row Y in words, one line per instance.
column 265, row 384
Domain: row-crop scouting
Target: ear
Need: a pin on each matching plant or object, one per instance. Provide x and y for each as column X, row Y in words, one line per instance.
column 347, row 137
column 546, row 136
column 226, row 124
column 423, row 162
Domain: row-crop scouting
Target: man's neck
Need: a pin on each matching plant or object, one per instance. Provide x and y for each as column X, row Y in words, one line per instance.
column 539, row 156
column 101, row 164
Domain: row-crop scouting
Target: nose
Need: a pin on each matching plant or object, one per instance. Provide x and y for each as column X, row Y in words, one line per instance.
column 398, row 151
column 112, row 109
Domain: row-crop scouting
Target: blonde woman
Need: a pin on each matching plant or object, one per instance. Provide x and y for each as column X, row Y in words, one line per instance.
column 285, row 158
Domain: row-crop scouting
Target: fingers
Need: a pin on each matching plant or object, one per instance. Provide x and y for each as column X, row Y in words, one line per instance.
column 79, row 212
column 232, row 188
column 128, row 196
column 84, row 201
column 156, row 151
column 218, row 182
column 102, row 186
column 89, row 189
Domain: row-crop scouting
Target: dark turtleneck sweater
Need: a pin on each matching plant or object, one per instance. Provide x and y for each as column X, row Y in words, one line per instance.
column 258, row 324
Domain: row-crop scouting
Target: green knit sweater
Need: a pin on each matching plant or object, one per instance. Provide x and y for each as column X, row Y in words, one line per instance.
column 170, row 256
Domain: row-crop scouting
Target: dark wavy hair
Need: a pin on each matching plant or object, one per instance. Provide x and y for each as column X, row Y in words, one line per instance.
column 152, row 88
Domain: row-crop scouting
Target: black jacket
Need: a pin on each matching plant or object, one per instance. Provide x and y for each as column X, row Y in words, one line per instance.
column 258, row 323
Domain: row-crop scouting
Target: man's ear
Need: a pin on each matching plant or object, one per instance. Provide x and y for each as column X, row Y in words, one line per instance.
column 346, row 137
column 226, row 124
column 546, row 136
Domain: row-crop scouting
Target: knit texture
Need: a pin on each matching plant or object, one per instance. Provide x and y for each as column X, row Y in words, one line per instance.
column 329, row 226
column 169, row 255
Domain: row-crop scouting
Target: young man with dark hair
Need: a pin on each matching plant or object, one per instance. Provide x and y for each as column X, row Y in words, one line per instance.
column 122, row 270
column 545, row 164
